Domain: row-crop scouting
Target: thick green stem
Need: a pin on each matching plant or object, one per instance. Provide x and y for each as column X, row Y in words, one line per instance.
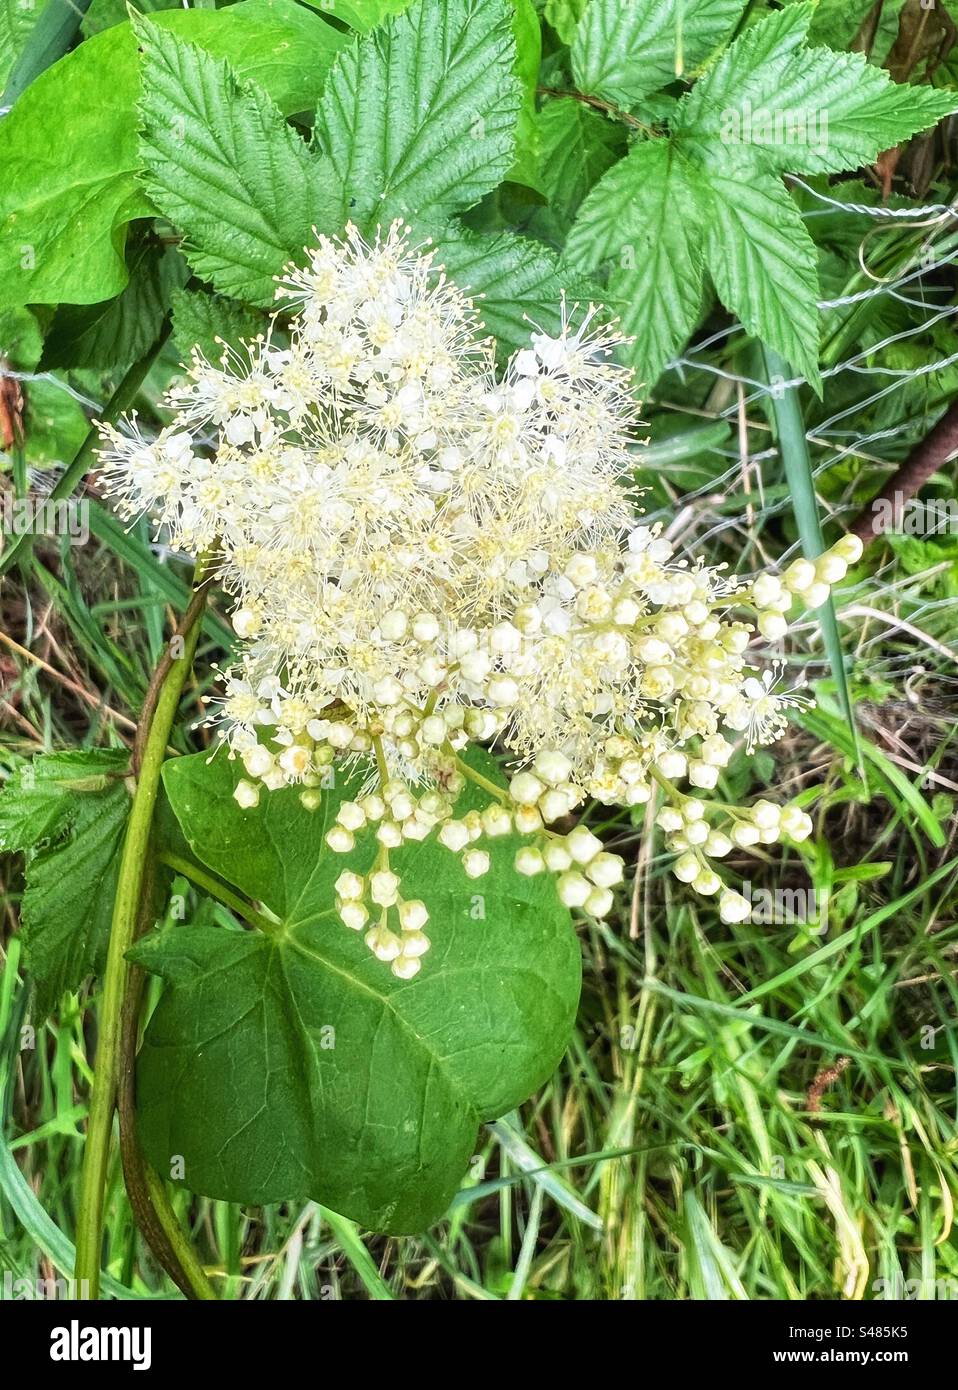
column 89, row 1235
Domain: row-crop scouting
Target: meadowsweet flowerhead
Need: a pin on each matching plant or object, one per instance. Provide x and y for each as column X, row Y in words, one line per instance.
column 425, row 553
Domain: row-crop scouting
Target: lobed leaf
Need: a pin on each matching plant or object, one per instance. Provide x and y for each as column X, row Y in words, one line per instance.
column 418, row 118
column 293, row 1065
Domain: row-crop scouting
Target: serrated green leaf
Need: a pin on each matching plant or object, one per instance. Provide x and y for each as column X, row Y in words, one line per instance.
column 116, row 333
column 65, row 203
column 419, row 118
column 67, row 812
column 296, row 1065
column 514, row 281
column 644, row 220
column 623, row 52
column 807, row 110
column 577, row 147
column 222, row 164
column 200, row 319
column 763, row 263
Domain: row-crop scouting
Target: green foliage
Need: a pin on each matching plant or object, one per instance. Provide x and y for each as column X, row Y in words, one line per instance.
column 207, row 321
column 653, row 245
column 64, row 212
column 17, row 18
column 66, row 812
column 120, row 330
column 226, row 169
column 376, row 1086
column 418, row 119
column 767, row 105
column 511, row 277
column 625, row 52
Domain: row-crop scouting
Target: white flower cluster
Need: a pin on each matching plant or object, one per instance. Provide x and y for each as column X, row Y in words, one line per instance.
column 427, row 553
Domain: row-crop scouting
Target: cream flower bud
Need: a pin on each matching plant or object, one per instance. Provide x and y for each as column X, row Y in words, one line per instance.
column 553, row 805
column 816, row 595
column 389, row 834
column 387, row 692
column 606, row 870
column 384, row 944
column 733, row 907
column 340, row 840
column 703, row 775
column 573, row 889
column 475, row 862
column 669, row 819
column 246, row 795
column 686, row 867
column 553, row 767
column 766, row 814
column 413, row 916
column 706, row 882
column 406, row 967
column 600, row 902
column 849, row 548
column 454, row 835
column 527, row 819
column 652, row 650
column 354, row 915
column 767, row 590
column 745, row 835
column 529, row 861
column 557, row 857
column 258, row 760
column 672, row 765
column 393, row 625
column 799, row 576
column 350, row 886
column 697, row 832
column 772, row 626
column 795, row 823
column 502, row 690
column 830, row 568
column 583, row 845
column 425, row 628
column 718, row 845
column 525, row 789
column 415, row 944
column 383, row 887
column 496, row 820
column 581, row 570
column 433, row 730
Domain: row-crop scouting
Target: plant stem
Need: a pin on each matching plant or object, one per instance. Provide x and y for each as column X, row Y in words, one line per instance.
column 220, row 891
column 146, row 1193
column 133, row 859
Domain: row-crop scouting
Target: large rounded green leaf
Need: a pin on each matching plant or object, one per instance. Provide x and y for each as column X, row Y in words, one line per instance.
column 293, row 1064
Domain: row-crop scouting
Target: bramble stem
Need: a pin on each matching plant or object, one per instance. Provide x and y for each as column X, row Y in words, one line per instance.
column 96, row 1153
